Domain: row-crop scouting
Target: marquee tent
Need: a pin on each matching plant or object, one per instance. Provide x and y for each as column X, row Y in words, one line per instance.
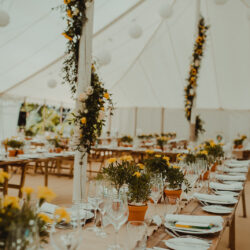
column 146, row 75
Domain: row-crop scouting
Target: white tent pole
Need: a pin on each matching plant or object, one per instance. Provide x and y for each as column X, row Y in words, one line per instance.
column 194, row 111
column 84, row 77
column 162, row 119
column 135, row 118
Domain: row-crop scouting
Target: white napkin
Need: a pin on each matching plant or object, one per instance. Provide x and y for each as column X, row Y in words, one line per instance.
column 232, row 186
column 237, row 164
column 236, row 170
column 48, row 208
column 224, row 177
column 237, row 161
column 215, row 198
column 216, row 220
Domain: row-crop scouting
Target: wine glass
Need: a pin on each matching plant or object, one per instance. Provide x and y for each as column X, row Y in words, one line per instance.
column 137, row 233
column 94, row 200
column 117, row 214
column 156, row 188
column 67, row 235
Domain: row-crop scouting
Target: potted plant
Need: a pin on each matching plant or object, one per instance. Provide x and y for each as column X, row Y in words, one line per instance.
column 174, row 180
column 126, row 141
column 16, row 147
column 238, row 143
column 56, row 142
column 139, row 189
column 161, row 141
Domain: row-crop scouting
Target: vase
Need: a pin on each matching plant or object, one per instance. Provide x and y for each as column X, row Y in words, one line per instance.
column 173, row 195
column 205, row 176
column 58, row 150
column 213, row 168
column 137, row 213
column 12, row 152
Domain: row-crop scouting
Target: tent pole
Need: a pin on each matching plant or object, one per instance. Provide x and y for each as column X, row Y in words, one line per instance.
column 162, row 119
column 61, row 114
column 44, row 116
column 110, row 123
column 84, row 78
column 192, row 136
column 135, row 125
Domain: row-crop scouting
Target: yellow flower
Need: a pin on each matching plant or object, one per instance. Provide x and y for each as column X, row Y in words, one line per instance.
column 112, row 160
column 166, row 158
column 106, row 95
column 69, row 13
column 102, row 108
column 149, row 151
column 212, row 144
column 195, row 148
column 137, row 174
column 66, row 36
column 45, row 218
column 3, row 176
column 28, row 190
column 203, row 152
column 62, row 214
column 126, row 158
column 175, row 166
column 83, row 120
column 11, row 201
column 140, row 165
column 93, row 68
column 67, row 1
column 45, row 193
column 158, row 156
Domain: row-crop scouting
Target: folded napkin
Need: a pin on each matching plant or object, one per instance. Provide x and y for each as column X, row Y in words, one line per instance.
column 237, row 164
column 231, row 186
column 224, row 177
column 215, row 198
column 236, row 170
column 48, row 208
column 216, row 220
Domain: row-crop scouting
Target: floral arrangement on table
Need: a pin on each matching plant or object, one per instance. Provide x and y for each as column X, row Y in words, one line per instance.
column 14, row 216
column 14, row 143
column 162, row 141
column 190, row 89
column 156, row 163
column 126, row 139
column 15, row 146
column 214, row 150
column 91, row 118
column 238, row 143
column 170, row 135
column 145, row 137
column 56, row 142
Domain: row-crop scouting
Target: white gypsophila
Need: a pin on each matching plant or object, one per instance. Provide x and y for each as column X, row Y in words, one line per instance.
column 82, row 97
column 101, row 115
column 86, row 111
column 76, row 12
column 89, row 90
column 197, row 63
column 191, row 92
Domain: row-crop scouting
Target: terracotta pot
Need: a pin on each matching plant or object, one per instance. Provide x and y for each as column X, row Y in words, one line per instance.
column 213, row 168
column 20, row 152
column 205, row 176
column 58, row 150
column 137, row 213
column 151, row 201
column 12, row 153
column 173, row 195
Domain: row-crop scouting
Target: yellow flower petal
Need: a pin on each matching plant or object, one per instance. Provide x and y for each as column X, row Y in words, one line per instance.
column 11, row 201
column 62, row 214
column 45, row 218
column 137, row 174
column 27, row 190
column 112, row 160
column 140, row 165
column 45, row 194
column 83, row 120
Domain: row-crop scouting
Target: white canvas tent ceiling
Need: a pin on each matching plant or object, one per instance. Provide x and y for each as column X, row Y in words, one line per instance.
column 146, row 72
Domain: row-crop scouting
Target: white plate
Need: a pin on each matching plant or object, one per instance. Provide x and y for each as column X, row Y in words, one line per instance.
column 186, row 244
column 217, row 209
column 193, row 231
column 222, row 192
column 234, row 201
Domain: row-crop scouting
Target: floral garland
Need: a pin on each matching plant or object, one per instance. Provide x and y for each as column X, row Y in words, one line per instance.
column 76, row 17
column 190, row 89
column 91, row 116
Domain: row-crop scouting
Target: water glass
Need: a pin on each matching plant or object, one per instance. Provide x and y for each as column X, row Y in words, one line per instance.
column 137, row 234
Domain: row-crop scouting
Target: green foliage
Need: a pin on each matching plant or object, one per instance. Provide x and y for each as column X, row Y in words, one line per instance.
column 127, row 139
column 190, row 158
column 239, row 142
column 15, row 143
column 199, row 129
column 214, row 150
column 157, row 164
column 161, row 141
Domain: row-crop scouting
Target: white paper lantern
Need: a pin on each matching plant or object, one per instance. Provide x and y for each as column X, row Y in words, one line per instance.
column 104, row 58
column 220, row 1
column 4, row 18
column 52, row 83
column 165, row 10
column 135, row 31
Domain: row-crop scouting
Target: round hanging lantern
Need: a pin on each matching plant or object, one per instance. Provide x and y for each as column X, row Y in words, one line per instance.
column 220, row 1
column 104, row 58
column 4, row 18
column 52, row 83
column 165, row 10
column 135, row 31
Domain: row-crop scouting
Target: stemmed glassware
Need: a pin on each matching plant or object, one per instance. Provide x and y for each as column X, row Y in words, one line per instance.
column 117, row 214
column 156, row 188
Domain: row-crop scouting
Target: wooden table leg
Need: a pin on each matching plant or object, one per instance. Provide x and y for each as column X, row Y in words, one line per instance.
column 232, row 234
column 244, row 204
column 46, row 173
column 5, row 184
column 23, row 174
